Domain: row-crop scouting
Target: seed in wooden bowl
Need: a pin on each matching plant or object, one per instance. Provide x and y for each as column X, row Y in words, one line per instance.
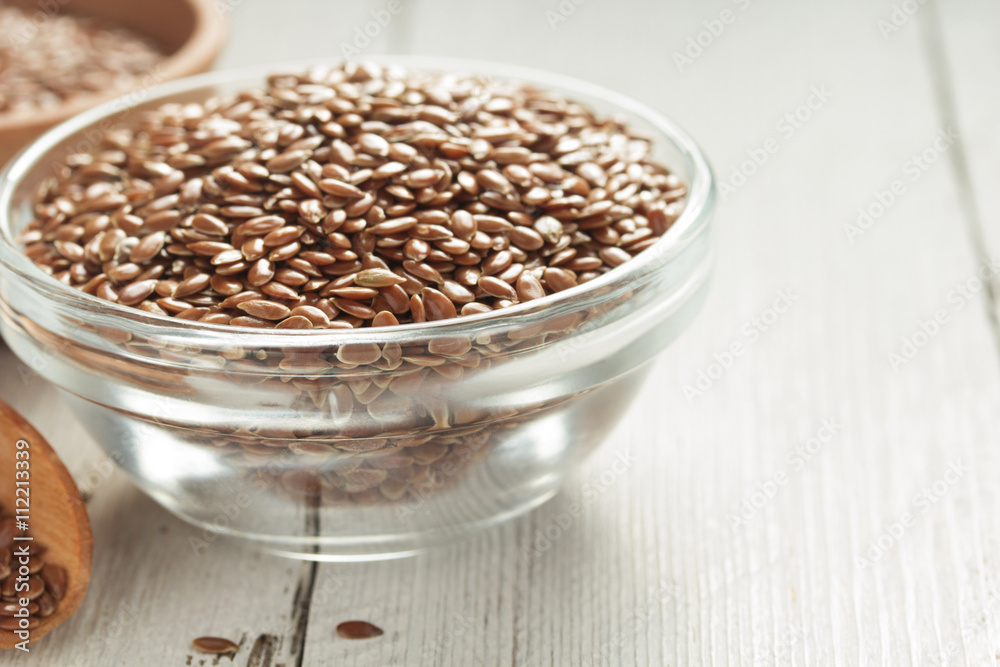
column 45, row 584
column 45, row 63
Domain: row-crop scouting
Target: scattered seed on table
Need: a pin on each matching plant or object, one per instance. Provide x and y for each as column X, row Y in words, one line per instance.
column 358, row 630
column 216, row 645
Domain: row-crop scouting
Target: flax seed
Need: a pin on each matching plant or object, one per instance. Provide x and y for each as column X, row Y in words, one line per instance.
column 528, row 287
column 215, row 645
column 496, row 287
column 384, row 319
column 413, row 202
column 265, row 310
column 358, row 630
column 354, row 308
column 136, row 292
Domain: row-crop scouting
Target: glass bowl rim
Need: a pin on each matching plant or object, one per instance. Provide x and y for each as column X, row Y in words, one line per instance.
column 697, row 211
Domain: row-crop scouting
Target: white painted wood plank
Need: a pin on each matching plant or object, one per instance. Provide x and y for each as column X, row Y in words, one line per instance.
column 785, row 588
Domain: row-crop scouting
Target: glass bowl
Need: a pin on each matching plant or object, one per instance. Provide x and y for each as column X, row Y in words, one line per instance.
column 363, row 443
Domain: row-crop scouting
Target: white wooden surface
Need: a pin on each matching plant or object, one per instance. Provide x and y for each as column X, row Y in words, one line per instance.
column 654, row 572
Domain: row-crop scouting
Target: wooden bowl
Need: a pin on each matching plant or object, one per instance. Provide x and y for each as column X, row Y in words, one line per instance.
column 57, row 516
column 191, row 31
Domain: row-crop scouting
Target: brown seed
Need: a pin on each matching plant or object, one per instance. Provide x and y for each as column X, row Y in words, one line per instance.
column 377, row 278
column 316, row 316
column 209, row 224
column 493, row 180
column 124, row 273
column 422, row 271
column 421, row 178
column 71, row 251
column 558, row 280
column 528, row 287
column 46, row 606
column 456, row 292
column 13, row 607
column 192, row 285
column 208, row 248
column 340, row 189
column 285, row 162
column 526, row 238
column 384, row 319
column 133, row 293
column 373, row 144
column 394, row 226
column 261, row 225
column 215, row 645
column 549, row 228
column 475, row 308
column 455, row 346
column 35, row 587
column 496, row 287
column 260, row 273
column 254, row 248
column 11, row 624
column 225, row 286
column 354, row 308
column 389, row 169
column 295, row 322
column 355, row 293
column 492, row 224
column 358, row 630
column 284, row 252
column 148, row 248
column 280, row 237
column 437, row 306
column 614, row 256
column 279, row 291
column 265, row 310
column 227, row 257
column 416, row 308
column 252, row 322
column 359, row 353
column 496, row 262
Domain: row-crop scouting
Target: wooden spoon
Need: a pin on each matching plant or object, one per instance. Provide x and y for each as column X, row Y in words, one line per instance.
column 57, row 516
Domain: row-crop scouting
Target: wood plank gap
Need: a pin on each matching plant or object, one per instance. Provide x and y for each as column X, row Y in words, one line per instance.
column 944, row 96
column 302, row 601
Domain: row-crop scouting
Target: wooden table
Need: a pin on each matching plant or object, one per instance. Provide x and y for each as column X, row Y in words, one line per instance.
column 829, row 497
